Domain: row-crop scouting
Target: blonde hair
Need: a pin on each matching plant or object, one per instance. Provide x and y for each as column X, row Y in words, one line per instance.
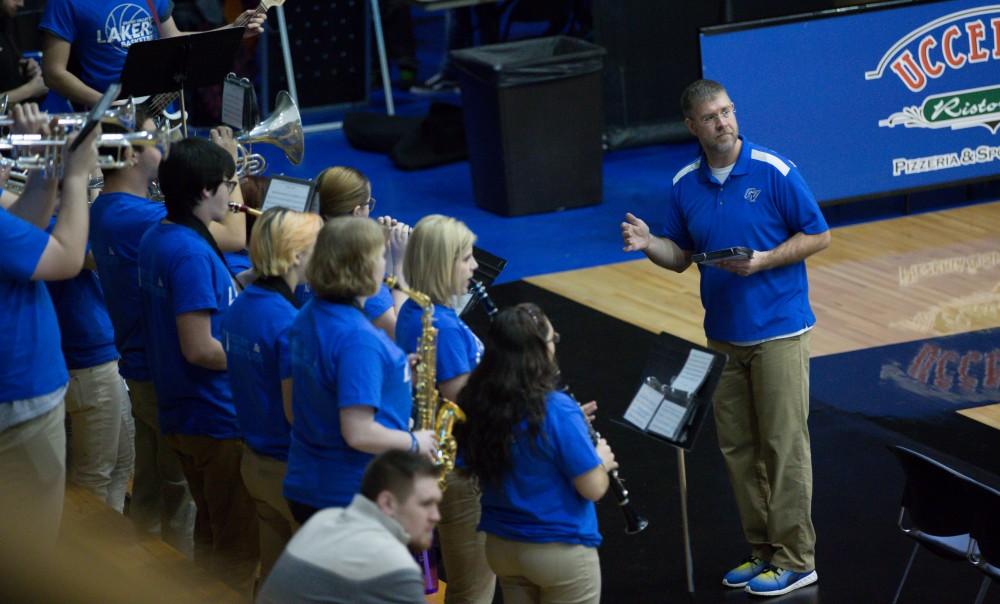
column 340, row 190
column 436, row 243
column 278, row 236
column 347, row 250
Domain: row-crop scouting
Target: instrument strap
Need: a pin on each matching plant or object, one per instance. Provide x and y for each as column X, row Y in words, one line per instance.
column 156, row 15
column 279, row 285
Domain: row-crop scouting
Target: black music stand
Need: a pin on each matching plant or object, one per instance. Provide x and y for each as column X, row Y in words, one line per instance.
column 181, row 62
column 665, row 361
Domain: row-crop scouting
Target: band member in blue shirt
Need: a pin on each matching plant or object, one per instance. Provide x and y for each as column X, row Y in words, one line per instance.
column 352, row 391
column 33, row 374
column 186, row 288
column 255, row 337
column 530, row 449
column 439, row 263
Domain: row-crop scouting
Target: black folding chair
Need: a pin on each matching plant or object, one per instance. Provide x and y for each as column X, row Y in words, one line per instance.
column 986, row 534
column 937, row 509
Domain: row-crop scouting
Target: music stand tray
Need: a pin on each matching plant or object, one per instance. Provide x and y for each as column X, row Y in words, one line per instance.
column 188, row 61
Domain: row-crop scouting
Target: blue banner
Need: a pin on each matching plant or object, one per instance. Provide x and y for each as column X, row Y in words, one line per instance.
column 870, row 102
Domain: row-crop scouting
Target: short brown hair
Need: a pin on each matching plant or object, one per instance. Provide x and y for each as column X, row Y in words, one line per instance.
column 278, row 235
column 436, row 243
column 697, row 92
column 340, row 190
column 345, row 255
column 395, row 471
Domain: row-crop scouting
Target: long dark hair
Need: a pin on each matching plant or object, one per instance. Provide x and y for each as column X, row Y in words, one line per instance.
column 508, row 387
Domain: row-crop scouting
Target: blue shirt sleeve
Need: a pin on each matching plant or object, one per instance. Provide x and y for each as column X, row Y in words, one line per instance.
column 452, row 354
column 192, row 288
column 674, row 224
column 575, row 454
column 376, row 305
column 21, row 247
column 798, row 205
column 59, row 19
column 360, row 372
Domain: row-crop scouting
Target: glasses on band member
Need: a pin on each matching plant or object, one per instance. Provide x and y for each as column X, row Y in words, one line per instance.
column 231, row 185
column 370, row 203
column 725, row 114
column 554, row 339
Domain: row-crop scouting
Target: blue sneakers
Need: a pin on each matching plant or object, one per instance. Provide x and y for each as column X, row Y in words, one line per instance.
column 776, row 581
column 741, row 575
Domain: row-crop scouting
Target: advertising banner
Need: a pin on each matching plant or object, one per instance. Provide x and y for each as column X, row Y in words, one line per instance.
column 870, row 102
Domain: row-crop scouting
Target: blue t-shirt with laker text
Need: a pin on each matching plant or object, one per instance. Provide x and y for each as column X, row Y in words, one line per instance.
column 763, row 203
column 117, row 223
column 88, row 339
column 31, row 363
column 458, row 349
column 100, row 32
column 179, row 272
column 537, row 500
column 255, row 337
column 339, row 360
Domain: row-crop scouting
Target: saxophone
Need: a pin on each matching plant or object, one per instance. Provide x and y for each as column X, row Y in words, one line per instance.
column 434, row 412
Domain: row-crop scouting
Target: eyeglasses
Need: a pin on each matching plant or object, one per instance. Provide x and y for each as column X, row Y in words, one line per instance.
column 370, row 203
column 723, row 115
column 231, row 185
column 554, row 339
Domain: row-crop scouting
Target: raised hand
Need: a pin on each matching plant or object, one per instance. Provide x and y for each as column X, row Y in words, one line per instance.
column 635, row 234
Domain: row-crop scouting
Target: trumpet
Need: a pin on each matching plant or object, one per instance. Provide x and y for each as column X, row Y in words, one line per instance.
column 121, row 115
column 33, row 152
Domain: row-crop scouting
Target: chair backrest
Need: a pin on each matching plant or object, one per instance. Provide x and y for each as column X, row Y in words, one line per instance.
column 986, row 523
column 937, row 497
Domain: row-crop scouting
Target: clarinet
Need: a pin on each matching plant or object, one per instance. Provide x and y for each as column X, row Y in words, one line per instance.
column 634, row 523
column 478, row 291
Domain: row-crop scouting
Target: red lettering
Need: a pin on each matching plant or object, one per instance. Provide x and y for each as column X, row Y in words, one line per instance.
column 996, row 37
column 947, row 40
column 943, row 380
column 907, row 70
column 920, row 366
column 977, row 33
column 992, row 379
column 932, row 69
column 966, row 382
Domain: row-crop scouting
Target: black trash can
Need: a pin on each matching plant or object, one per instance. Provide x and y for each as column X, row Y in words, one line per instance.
column 534, row 118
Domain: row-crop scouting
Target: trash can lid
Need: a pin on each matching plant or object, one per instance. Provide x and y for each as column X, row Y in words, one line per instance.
column 530, row 61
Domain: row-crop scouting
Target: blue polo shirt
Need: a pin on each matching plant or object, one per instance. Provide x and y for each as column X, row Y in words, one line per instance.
column 117, row 223
column 88, row 339
column 31, row 363
column 255, row 336
column 763, row 203
column 537, row 501
column 100, row 32
column 339, row 360
column 458, row 349
column 179, row 272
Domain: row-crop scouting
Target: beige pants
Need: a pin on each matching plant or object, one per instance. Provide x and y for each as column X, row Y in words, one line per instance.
column 545, row 573
column 33, row 479
column 263, row 477
column 470, row 580
column 761, row 413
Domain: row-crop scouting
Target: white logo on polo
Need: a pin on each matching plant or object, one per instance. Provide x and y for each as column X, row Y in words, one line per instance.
column 751, row 194
column 126, row 25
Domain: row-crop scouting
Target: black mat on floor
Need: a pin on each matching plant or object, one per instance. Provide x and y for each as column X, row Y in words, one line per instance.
column 857, row 485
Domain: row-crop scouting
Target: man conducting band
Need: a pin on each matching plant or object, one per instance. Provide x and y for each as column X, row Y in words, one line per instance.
column 757, row 312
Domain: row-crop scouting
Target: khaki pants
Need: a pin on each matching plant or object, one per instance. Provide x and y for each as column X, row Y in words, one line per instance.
column 545, row 573
column 102, row 434
column 212, row 469
column 160, row 495
column 761, row 413
column 33, row 479
column 470, row 580
column 263, row 477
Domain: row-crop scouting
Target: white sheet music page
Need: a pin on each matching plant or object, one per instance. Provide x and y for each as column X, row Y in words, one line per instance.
column 643, row 407
column 694, row 372
column 286, row 194
column 668, row 419
column 232, row 105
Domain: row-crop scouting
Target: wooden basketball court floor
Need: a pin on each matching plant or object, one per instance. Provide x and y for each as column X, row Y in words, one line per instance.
column 878, row 283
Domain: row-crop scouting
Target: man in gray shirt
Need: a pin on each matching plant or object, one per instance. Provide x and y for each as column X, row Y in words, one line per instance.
column 361, row 554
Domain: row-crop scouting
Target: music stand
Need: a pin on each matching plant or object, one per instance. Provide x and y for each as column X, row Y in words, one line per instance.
column 181, row 62
column 665, row 361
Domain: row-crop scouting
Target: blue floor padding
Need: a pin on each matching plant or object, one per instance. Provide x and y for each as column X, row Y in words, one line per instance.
column 917, row 379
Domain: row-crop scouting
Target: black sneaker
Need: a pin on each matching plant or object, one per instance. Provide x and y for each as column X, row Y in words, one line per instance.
column 436, row 84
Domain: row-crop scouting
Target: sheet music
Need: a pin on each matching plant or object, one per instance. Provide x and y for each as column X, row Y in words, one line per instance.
column 643, row 407
column 693, row 373
column 232, row 105
column 286, row 194
column 667, row 419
